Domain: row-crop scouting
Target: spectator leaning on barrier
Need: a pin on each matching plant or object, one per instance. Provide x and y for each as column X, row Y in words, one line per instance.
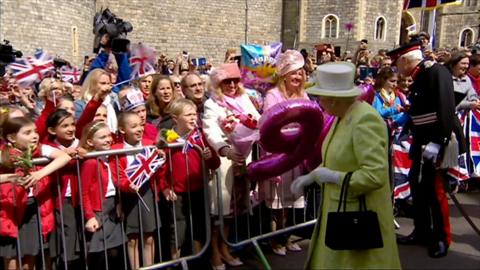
column 61, row 135
column 22, row 201
column 228, row 98
column 100, row 201
column 139, row 222
column 276, row 192
column 184, row 185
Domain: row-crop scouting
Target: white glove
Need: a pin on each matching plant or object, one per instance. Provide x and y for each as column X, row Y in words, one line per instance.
column 299, row 183
column 431, row 151
column 319, row 175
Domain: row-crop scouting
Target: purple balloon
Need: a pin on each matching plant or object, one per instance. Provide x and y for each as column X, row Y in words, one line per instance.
column 288, row 148
column 316, row 157
column 368, row 93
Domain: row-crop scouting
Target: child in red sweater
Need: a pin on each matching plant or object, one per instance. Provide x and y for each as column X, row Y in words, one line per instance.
column 19, row 220
column 100, row 201
column 185, row 184
column 141, row 218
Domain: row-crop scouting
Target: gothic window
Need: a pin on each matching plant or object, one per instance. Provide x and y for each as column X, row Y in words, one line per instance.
column 466, row 37
column 330, row 26
column 380, row 28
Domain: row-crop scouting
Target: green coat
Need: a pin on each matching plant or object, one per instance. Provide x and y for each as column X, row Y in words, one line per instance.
column 356, row 143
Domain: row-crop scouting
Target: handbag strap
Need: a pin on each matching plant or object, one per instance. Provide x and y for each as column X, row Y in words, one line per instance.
column 362, row 203
column 343, row 192
column 343, row 195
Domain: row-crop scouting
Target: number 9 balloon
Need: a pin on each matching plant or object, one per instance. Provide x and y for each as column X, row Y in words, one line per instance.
column 288, row 148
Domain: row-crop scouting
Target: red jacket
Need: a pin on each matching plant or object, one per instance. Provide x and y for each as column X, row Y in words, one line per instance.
column 177, row 166
column 41, row 122
column 68, row 172
column 13, row 200
column 122, row 181
column 87, row 116
column 150, row 132
column 475, row 83
column 92, row 199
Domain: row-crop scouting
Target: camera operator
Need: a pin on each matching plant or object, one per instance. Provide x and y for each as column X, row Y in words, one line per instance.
column 111, row 43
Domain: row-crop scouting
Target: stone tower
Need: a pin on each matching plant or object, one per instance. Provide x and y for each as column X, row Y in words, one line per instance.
column 324, row 21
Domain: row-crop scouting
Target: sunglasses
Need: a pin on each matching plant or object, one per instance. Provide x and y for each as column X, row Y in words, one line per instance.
column 176, row 83
column 229, row 81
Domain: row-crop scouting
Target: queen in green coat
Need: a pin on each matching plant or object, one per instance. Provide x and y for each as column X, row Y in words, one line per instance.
column 357, row 142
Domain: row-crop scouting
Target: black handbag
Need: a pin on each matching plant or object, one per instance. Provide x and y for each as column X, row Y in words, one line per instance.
column 352, row 230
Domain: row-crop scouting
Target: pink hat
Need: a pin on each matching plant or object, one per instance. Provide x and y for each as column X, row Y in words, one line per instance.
column 288, row 61
column 223, row 72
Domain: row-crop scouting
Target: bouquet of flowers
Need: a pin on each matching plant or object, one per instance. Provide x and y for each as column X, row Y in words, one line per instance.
column 241, row 131
column 167, row 136
column 23, row 164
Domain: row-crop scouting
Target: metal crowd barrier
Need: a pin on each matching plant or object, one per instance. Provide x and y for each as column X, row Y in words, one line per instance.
column 256, row 231
column 160, row 261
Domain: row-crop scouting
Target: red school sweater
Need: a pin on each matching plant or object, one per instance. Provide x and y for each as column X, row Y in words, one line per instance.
column 120, row 179
column 92, row 198
column 177, row 166
column 14, row 198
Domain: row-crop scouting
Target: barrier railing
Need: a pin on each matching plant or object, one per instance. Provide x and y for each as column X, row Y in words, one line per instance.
column 257, row 212
column 248, row 227
column 163, row 258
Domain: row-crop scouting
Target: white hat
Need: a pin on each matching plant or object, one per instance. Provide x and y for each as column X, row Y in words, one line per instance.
column 334, row 79
column 133, row 99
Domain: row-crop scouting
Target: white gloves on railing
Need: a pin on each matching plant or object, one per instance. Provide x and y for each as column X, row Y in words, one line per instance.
column 319, row 175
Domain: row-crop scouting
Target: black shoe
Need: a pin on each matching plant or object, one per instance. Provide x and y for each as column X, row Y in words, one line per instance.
column 438, row 249
column 411, row 239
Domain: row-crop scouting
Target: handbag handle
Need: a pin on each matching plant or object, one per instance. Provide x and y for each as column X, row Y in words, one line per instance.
column 343, row 192
column 343, row 195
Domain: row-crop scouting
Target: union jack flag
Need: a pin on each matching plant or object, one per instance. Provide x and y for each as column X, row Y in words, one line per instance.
column 142, row 60
column 195, row 136
column 70, row 74
column 27, row 71
column 461, row 172
column 145, row 164
column 474, row 138
column 429, row 4
column 401, row 166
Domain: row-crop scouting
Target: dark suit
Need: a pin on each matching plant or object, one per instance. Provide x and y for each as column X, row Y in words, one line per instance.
column 433, row 115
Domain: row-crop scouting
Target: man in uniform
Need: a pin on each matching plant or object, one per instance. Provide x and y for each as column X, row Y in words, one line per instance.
column 432, row 112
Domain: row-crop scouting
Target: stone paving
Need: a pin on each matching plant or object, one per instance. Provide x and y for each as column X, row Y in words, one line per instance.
column 464, row 252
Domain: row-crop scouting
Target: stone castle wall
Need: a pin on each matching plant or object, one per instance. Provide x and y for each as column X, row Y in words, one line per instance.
column 208, row 28
column 61, row 27
column 203, row 28
column 361, row 13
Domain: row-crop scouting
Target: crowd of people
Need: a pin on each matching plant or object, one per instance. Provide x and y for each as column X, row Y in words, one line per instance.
column 104, row 110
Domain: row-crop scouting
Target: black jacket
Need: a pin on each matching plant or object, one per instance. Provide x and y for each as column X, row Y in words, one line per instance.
column 433, row 108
